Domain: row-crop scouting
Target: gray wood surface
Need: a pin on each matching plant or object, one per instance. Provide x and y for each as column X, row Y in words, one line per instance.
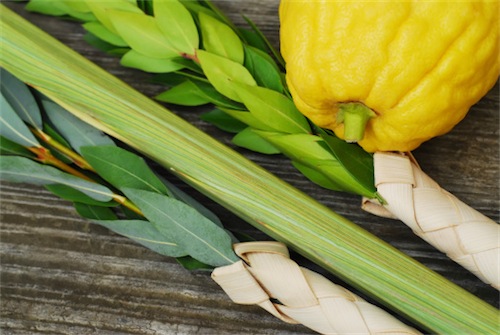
column 63, row 275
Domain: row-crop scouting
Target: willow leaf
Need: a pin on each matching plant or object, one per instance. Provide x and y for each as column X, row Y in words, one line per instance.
column 273, row 108
column 223, row 121
column 13, row 128
column 136, row 60
column 146, row 234
column 103, row 33
column 248, row 139
column 142, row 34
column 220, row 39
column 223, row 73
column 75, row 131
column 68, row 193
column 122, row 169
column 20, row 169
column 201, row 238
column 263, row 69
column 20, row 99
column 92, row 212
column 8, row 147
column 177, row 25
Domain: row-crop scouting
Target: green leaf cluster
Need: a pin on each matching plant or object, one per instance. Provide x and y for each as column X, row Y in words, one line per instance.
column 204, row 59
column 107, row 184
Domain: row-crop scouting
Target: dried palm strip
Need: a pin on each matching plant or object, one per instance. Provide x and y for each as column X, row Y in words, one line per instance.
column 263, row 200
column 465, row 235
column 269, row 278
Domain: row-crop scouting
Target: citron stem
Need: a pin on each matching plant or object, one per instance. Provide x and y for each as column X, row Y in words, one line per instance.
column 355, row 116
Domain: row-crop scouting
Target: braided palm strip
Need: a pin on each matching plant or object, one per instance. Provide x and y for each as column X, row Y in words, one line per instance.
column 267, row 274
column 465, row 235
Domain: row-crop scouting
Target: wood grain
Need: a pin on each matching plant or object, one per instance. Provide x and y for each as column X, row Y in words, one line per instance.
column 62, row 275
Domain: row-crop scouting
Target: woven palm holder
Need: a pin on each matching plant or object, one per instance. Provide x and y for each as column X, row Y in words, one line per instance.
column 267, row 277
column 468, row 237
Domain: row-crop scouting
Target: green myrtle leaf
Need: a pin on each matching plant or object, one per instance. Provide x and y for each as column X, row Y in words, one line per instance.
column 13, row 128
column 189, row 64
column 46, row 7
column 176, row 78
column 220, row 39
column 146, row 234
column 215, row 97
column 334, row 170
column 354, row 159
column 20, row 99
column 184, row 94
column 223, row 73
column 68, row 193
column 123, row 169
column 263, row 69
column 77, row 6
column 104, row 46
column 223, row 121
column 177, row 25
column 136, row 60
column 273, row 108
column 74, row 130
column 23, row 170
column 264, row 40
column 314, row 175
column 142, row 34
column 299, row 147
column 102, row 10
column 7, row 147
column 249, row 139
column 200, row 237
column 195, row 8
column 253, row 39
column 247, row 118
column 103, row 33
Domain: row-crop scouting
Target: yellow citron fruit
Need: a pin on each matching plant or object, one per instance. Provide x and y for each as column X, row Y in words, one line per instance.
column 417, row 65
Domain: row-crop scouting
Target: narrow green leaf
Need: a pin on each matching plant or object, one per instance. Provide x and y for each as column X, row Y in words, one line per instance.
column 7, row 147
column 189, row 64
column 13, row 128
column 247, row 118
column 74, row 130
column 189, row 263
column 20, row 99
column 274, row 109
column 220, row 39
column 142, row 34
column 103, row 33
column 178, row 194
column 200, row 237
column 122, row 169
column 146, row 234
column 23, row 170
column 263, row 69
column 136, row 60
column 104, row 46
column 177, row 25
column 49, row 130
column 248, row 139
column 215, row 97
column 223, row 73
column 354, row 159
column 47, row 7
column 184, row 94
column 316, row 176
column 68, row 193
column 253, row 39
column 102, row 9
column 223, row 121
column 92, row 212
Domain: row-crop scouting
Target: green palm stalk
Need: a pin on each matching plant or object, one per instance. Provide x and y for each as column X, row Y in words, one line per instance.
column 263, row 200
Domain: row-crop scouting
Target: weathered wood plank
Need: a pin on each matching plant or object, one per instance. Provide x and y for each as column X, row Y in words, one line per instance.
column 63, row 275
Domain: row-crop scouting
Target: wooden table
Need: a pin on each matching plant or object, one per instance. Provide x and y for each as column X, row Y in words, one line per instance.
column 63, row 275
